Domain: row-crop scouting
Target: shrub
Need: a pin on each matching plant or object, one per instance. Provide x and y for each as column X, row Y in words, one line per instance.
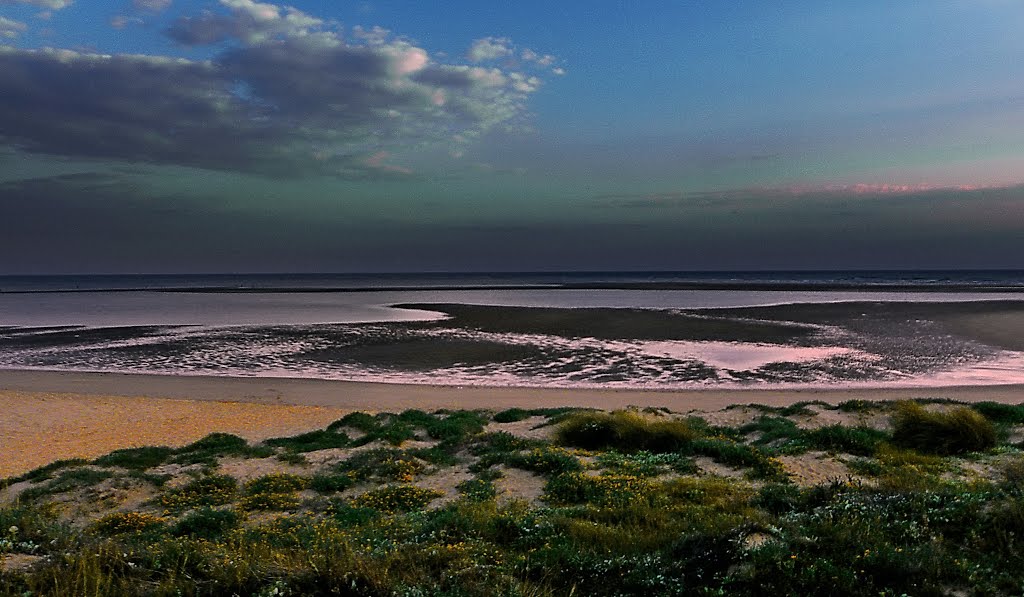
column 861, row 406
column 276, row 491
column 382, row 463
column 330, row 483
column 546, row 460
column 138, row 459
column 477, row 490
column 511, row 415
column 217, row 445
column 397, row 498
column 455, row 427
column 309, row 442
column 270, row 501
column 276, row 483
column 207, row 523
column 859, row 441
column 956, row 431
column 778, row 498
column 127, row 522
column 1005, row 414
column 47, row 470
column 646, row 464
column 358, row 420
column 606, row 490
column 736, row 454
column 772, row 429
column 210, row 490
column 69, row 480
column 624, row 431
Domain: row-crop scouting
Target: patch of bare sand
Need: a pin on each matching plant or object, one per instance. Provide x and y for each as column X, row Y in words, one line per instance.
column 728, row 417
column 329, row 456
column 11, row 492
column 814, row 468
column 517, row 484
column 247, row 469
column 38, row 428
column 529, row 428
column 18, row 562
column 447, row 480
column 708, row 466
column 824, row 417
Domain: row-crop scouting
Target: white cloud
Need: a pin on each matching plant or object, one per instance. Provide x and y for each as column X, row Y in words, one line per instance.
column 249, row 21
column 529, row 55
column 10, row 29
column 489, row 48
column 122, row 21
column 373, row 36
column 51, row 4
column 288, row 96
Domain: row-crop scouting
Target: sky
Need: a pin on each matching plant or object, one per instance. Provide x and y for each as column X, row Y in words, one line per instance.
column 178, row 136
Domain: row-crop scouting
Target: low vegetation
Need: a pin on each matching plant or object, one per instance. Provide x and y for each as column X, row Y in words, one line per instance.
column 878, row 498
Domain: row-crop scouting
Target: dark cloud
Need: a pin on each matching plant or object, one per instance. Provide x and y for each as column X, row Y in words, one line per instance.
column 288, row 97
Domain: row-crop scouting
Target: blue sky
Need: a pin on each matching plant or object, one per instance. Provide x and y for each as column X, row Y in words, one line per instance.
column 407, row 136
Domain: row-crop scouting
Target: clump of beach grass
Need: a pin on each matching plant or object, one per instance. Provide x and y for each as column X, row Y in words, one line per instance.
column 624, row 431
column 955, row 431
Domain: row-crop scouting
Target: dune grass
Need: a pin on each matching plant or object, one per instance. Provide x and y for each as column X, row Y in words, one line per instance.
column 625, row 510
column 955, row 431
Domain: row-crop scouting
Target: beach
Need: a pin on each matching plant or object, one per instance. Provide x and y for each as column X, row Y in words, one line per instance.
column 53, row 415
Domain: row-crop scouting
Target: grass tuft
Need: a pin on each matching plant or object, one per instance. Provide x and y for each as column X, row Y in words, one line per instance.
column 956, row 431
column 624, row 431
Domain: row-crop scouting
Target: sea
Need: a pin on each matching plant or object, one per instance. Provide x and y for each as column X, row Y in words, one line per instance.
column 659, row 330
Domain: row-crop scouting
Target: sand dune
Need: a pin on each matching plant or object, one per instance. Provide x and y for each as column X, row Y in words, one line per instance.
column 54, row 415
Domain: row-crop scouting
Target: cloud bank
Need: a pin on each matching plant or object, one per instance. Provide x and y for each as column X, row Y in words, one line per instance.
column 284, row 94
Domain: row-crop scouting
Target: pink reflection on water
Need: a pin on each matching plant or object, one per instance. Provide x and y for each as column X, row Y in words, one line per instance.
column 1007, row 368
column 737, row 356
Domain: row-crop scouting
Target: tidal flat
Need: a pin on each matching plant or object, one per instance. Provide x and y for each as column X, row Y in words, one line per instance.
column 859, row 497
column 829, row 344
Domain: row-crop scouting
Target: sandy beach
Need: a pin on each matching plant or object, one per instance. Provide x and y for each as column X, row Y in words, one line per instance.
column 53, row 415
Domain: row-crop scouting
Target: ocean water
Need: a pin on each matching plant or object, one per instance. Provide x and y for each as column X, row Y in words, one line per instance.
column 349, row 327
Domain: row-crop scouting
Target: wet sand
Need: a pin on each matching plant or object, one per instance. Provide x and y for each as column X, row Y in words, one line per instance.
column 52, row 415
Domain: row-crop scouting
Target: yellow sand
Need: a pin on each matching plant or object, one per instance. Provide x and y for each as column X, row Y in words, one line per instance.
column 45, row 416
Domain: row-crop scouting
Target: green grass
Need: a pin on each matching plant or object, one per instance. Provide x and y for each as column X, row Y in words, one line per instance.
column 136, row 458
column 385, row 464
column 396, row 498
column 207, row 523
column 218, row 445
column 208, row 490
column 616, row 520
column 47, row 471
column 955, row 431
column 68, row 480
column 310, row 442
column 859, row 441
column 1001, row 414
column 624, row 431
column 512, row 415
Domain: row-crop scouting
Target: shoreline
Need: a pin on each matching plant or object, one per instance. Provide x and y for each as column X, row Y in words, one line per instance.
column 361, row 395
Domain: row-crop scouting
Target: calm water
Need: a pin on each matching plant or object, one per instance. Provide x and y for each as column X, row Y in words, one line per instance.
column 345, row 327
